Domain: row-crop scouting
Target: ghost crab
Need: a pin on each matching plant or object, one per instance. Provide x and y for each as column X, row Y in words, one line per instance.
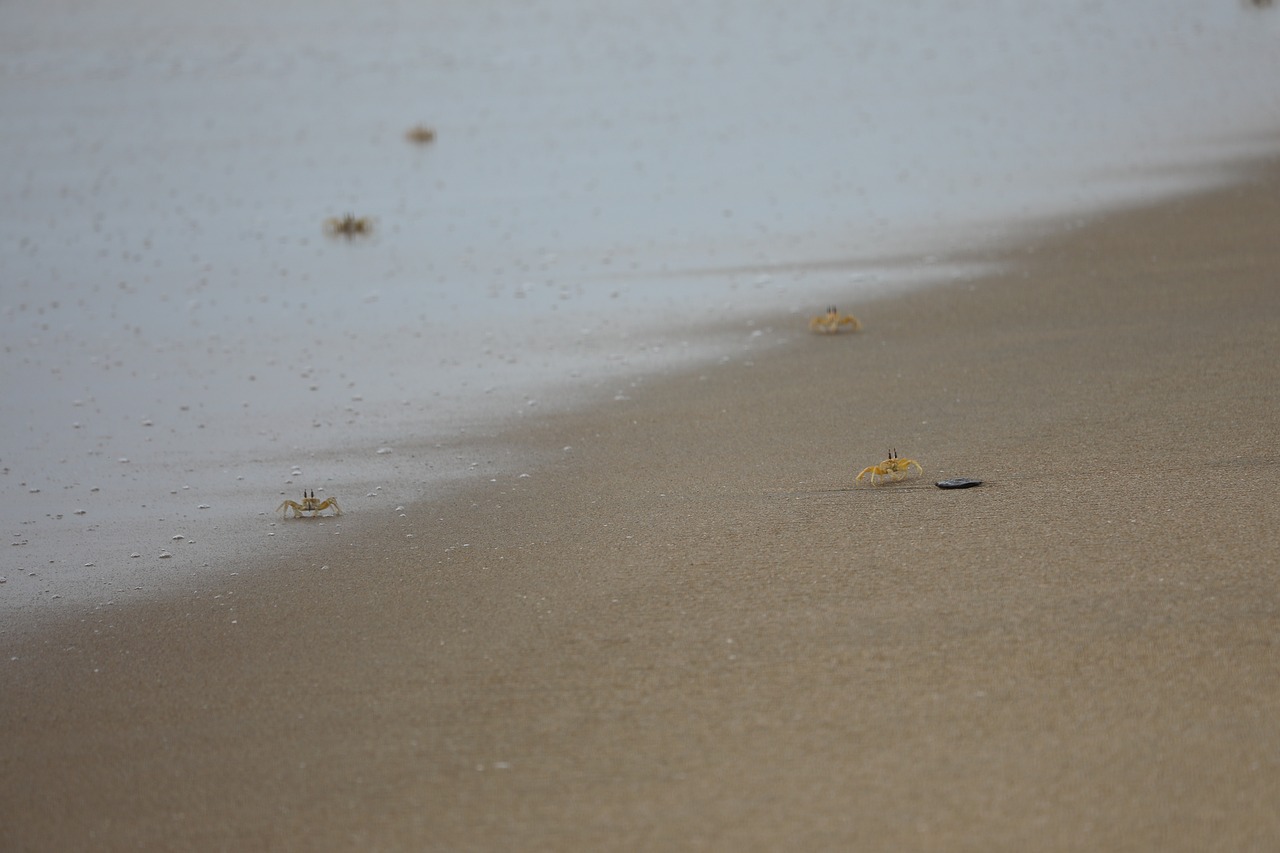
column 420, row 134
column 310, row 503
column 348, row 226
column 892, row 468
column 833, row 322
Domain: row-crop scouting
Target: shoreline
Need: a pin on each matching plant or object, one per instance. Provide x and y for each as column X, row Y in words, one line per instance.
column 181, row 333
column 153, row 558
column 692, row 629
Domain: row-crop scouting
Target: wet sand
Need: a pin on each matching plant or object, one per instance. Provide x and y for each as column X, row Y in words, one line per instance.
column 691, row 630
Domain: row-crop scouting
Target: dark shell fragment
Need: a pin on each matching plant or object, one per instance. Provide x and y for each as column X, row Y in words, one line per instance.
column 958, row 483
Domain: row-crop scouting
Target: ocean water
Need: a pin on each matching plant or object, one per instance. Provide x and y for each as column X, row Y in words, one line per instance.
column 615, row 190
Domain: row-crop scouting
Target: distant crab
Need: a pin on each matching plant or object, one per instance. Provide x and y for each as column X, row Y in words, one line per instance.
column 310, row 503
column 420, row 134
column 348, row 226
column 833, row 322
column 892, row 468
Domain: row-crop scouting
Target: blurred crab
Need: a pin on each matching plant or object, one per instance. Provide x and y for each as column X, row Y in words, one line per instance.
column 420, row 134
column 310, row 503
column 893, row 468
column 833, row 322
column 348, row 226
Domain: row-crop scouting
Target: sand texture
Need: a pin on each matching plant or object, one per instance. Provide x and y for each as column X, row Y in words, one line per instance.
column 692, row 631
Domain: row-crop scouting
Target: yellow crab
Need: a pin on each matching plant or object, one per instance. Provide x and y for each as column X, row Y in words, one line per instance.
column 833, row 322
column 310, row 503
column 893, row 468
column 348, row 226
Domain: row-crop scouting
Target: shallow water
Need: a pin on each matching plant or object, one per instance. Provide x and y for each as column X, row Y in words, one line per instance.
column 614, row 191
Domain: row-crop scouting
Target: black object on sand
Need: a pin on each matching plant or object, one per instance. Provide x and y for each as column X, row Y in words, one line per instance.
column 958, row 483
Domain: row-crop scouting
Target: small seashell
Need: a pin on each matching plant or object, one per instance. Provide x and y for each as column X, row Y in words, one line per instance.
column 164, row 555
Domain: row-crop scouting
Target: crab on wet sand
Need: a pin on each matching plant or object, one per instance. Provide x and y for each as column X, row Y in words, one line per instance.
column 310, row 503
column 834, row 322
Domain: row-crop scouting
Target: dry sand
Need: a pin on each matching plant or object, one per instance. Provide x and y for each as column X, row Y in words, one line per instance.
column 692, row 631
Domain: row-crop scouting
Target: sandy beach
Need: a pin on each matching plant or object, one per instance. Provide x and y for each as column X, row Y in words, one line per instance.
column 687, row 628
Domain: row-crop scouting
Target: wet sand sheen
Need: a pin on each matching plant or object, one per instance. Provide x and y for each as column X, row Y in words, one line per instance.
column 693, row 630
